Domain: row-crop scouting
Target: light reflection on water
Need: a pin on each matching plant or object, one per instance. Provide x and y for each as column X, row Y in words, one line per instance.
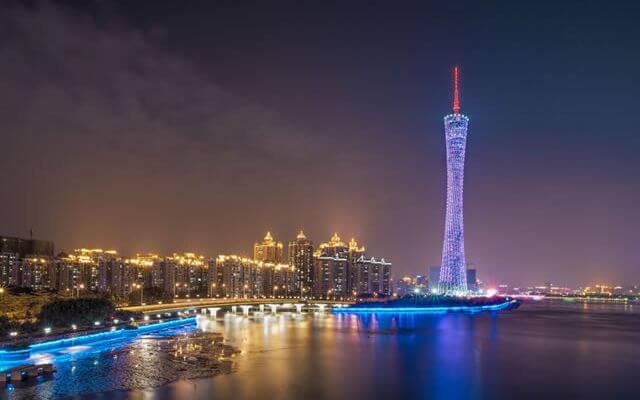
column 541, row 350
column 100, row 366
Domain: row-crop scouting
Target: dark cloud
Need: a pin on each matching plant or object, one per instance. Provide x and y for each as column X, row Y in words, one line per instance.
column 111, row 140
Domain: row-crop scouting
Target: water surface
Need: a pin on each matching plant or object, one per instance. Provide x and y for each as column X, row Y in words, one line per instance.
column 543, row 350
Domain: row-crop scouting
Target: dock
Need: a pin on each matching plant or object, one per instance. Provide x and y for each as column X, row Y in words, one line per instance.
column 24, row 372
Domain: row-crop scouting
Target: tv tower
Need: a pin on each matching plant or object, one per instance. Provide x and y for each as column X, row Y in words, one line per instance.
column 453, row 273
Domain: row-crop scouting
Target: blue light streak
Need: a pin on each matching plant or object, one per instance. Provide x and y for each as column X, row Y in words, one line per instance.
column 424, row 310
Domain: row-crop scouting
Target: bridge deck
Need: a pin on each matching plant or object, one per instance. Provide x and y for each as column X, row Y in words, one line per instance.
column 208, row 302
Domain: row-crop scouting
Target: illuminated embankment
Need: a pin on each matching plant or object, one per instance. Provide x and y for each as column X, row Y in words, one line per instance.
column 53, row 346
column 506, row 305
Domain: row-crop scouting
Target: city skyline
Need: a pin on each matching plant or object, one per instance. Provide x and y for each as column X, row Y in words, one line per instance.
column 124, row 129
column 332, row 270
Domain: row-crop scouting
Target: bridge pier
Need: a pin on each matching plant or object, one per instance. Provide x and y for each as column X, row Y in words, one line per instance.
column 234, row 309
column 214, row 311
column 274, row 308
column 299, row 308
column 245, row 310
column 261, row 308
column 322, row 307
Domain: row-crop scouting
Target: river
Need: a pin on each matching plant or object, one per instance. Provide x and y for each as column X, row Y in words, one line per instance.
column 547, row 349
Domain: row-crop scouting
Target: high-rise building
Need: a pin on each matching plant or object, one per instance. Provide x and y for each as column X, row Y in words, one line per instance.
column 301, row 258
column 239, row 277
column 113, row 274
column 34, row 272
column 268, row 251
column 149, row 270
column 341, row 270
column 95, row 270
column 278, row 280
column 8, row 261
column 26, row 247
column 334, row 247
column 453, row 269
column 371, row 276
column 472, row 282
column 331, row 274
column 191, row 274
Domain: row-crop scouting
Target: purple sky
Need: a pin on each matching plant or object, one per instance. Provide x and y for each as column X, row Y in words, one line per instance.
column 165, row 128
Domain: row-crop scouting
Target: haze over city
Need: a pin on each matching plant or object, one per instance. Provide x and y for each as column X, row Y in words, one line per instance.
column 161, row 128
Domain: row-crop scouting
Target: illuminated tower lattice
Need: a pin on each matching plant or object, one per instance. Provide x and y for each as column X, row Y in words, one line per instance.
column 453, row 276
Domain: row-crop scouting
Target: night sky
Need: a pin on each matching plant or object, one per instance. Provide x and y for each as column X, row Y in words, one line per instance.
column 198, row 125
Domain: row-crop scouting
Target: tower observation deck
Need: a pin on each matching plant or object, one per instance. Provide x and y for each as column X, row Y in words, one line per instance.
column 453, row 274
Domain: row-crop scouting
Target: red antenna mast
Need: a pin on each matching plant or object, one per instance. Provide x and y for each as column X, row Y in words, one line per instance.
column 456, row 90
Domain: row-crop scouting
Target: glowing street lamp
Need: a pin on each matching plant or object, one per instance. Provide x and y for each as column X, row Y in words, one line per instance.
column 211, row 289
column 141, row 287
column 80, row 286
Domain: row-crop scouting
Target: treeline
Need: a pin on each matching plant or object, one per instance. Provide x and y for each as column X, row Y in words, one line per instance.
column 63, row 312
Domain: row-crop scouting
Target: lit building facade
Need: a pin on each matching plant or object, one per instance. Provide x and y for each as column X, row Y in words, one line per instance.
column 453, row 268
column 238, row 277
column 331, row 277
column 8, row 262
column 341, row 270
column 268, row 251
column 301, row 258
column 35, row 273
column 278, row 280
column 371, row 276
column 191, row 274
column 149, row 271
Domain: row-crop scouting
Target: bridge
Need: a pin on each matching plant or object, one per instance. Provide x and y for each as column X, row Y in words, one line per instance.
column 217, row 303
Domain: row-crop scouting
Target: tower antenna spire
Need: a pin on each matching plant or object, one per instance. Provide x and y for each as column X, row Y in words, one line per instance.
column 456, row 90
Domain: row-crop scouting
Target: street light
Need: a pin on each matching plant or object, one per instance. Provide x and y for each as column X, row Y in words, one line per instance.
column 80, row 286
column 141, row 287
column 211, row 289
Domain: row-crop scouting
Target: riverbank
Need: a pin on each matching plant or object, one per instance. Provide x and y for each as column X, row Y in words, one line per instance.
column 435, row 304
column 154, row 355
column 26, row 339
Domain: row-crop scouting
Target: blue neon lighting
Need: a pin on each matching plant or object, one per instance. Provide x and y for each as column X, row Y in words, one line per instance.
column 425, row 310
column 93, row 338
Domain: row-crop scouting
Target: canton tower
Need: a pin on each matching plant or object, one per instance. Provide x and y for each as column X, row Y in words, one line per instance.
column 453, row 273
